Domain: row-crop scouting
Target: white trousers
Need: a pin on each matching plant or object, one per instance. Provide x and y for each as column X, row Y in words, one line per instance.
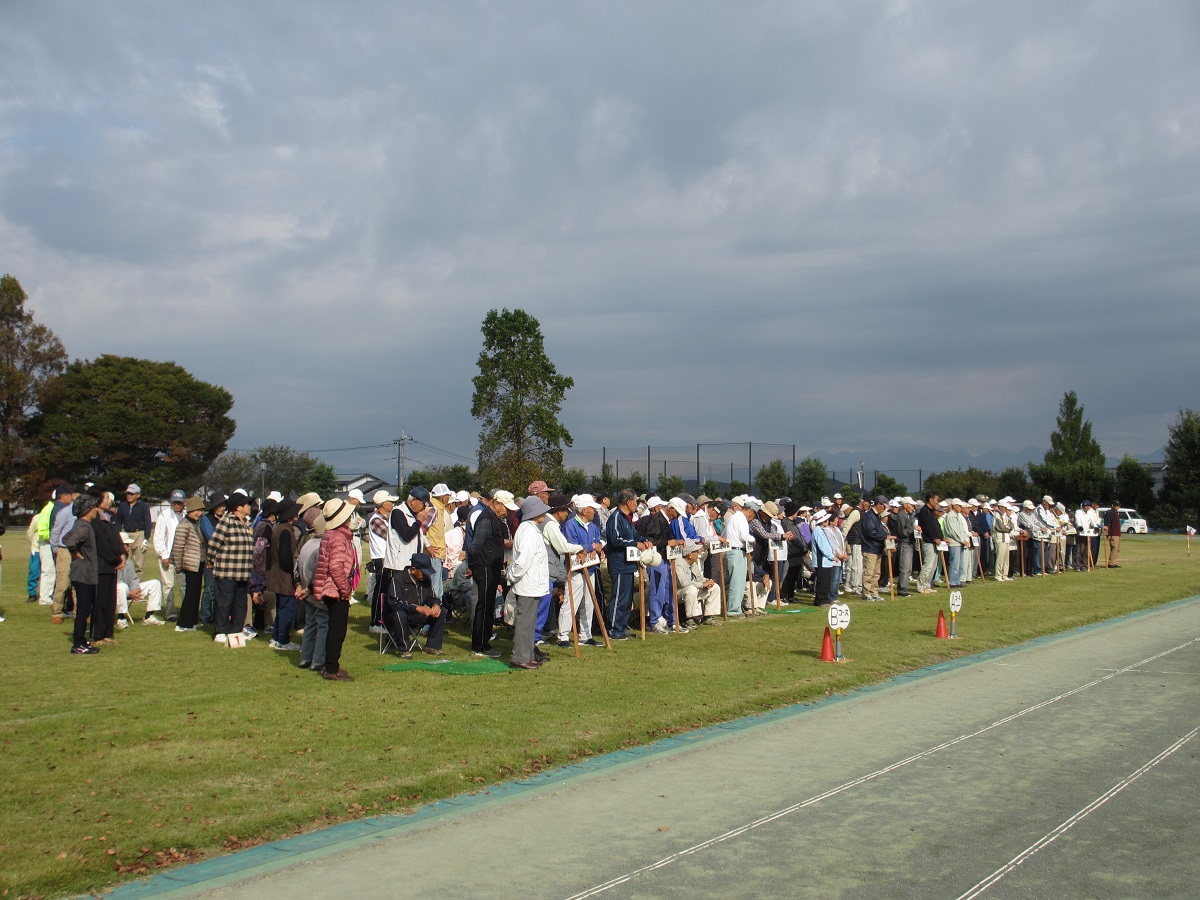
column 151, row 593
column 578, row 591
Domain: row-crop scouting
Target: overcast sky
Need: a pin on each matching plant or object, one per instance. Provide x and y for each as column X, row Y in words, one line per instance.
column 849, row 225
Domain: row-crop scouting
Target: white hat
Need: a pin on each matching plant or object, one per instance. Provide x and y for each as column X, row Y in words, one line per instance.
column 583, row 501
column 944, row 505
column 677, row 504
column 356, row 494
column 655, row 501
column 820, row 518
column 1046, row 498
column 133, row 489
column 276, row 496
column 837, row 496
column 462, row 497
column 972, row 502
column 651, row 558
column 895, row 502
column 336, row 512
column 825, row 501
column 441, row 490
column 805, row 509
column 1028, row 504
column 381, row 497
column 506, row 498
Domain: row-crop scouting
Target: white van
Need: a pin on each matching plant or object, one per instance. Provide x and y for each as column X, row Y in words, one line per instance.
column 1131, row 520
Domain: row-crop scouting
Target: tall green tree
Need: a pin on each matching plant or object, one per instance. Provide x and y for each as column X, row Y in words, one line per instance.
column 275, row 467
column 1073, row 468
column 710, row 489
column 811, row 481
column 963, row 483
column 1181, row 481
column 1134, row 485
column 1012, row 483
column 117, row 419
column 669, row 485
column 888, row 486
column 518, row 397
column 30, row 356
column 322, row 479
column 772, row 480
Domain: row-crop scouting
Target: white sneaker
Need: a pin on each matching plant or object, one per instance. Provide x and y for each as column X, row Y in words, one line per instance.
column 220, row 639
column 275, row 645
column 121, row 623
column 660, row 628
column 152, row 620
column 376, row 629
column 354, row 601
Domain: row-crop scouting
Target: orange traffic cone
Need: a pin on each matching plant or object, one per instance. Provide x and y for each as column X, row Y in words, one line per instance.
column 941, row 626
column 827, row 648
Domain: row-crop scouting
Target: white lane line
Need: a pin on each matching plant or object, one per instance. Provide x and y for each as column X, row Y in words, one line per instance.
column 833, row 792
column 1070, row 823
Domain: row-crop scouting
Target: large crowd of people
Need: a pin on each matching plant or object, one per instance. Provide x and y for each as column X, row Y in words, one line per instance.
column 559, row 571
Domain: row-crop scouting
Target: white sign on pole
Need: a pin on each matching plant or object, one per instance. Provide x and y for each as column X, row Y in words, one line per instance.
column 675, row 552
column 955, row 601
column 839, row 616
column 633, row 555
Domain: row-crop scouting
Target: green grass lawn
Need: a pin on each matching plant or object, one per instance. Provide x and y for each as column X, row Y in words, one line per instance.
column 169, row 748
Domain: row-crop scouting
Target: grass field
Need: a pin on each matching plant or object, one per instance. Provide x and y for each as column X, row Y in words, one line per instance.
column 168, row 748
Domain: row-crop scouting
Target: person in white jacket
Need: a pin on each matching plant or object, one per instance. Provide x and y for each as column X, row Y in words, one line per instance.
column 528, row 576
column 164, row 536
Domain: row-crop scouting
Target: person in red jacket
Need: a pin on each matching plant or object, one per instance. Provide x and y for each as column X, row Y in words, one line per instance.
column 332, row 583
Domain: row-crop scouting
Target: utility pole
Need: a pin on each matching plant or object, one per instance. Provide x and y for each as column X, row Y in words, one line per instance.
column 400, row 442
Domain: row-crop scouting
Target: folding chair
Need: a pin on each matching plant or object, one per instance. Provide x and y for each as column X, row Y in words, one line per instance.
column 396, row 631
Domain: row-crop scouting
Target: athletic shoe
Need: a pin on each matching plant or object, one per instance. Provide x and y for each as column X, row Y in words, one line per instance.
column 339, row 675
column 180, row 628
column 404, row 654
column 592, row 642
column 540, row 656
column 490, row 654
column 172, row 617
column 121, row 623
column 524, row 665
column 431, row 652
column 564, row 644
column 660, row 628
column 289, row 647
column 250, row 633
column 618, row 635
column 84, row 649
column 539, row 642
column 903, row 594
column 152, row 620
column 354, row 601
column 220, row 639
column 304, row 664
column 32, row 598
column 377, row 629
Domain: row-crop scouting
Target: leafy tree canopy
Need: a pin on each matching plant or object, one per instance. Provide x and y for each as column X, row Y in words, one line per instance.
column 30, row 357
column 964, row 483
column 517, row 399
column 117, row 419
column 275, row 467
column 772, row 480
column 1181, row 482
column 811, row 481
column 1073, row 468
column 322, row 479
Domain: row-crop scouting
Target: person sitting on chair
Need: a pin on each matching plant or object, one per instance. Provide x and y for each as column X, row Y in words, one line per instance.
column 411, row 599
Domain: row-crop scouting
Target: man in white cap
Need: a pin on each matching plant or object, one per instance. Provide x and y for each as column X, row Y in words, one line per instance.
column 655, row 527
column 1031, row 526
column 485, row 557
column 378, row 528
column 701, row 597
column 737, row 536
column 900, row 524
column 435, row 535
column 133, row 518
column 131, row 589
column 164, row 537
column 1002, row 529
column 1087, row 527
column 1048, row 517
column 583, row 529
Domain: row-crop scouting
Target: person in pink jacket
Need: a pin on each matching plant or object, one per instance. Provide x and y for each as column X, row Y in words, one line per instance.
column 333, row 584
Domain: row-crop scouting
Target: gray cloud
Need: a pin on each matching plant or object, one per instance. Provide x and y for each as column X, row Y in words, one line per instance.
column 889, row 224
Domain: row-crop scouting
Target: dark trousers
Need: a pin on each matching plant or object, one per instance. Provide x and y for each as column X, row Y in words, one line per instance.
column 622, row 602
column 207, row 598
column 189, row 612
column 487, row 580
column 85, row 598
column 339, row 621
column 230, row 600
column 285, row 614
column 822, row 582
column 104, row 608
column 411, row 622
column 375, row 567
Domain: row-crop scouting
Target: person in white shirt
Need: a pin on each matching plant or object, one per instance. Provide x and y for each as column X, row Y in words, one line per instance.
column 164, row 536
column 1087, row 524
column 737, row 536
column 528, row 575
column 377, row 545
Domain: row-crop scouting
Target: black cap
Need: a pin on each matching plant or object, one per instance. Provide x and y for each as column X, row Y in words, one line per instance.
column 423, row 562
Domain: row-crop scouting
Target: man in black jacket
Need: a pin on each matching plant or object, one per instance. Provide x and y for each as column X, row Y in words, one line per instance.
column 931, row 534
column 900, row 524
column 133, row 518
column 414, row 606
column 485, row 558
column 874, row 539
